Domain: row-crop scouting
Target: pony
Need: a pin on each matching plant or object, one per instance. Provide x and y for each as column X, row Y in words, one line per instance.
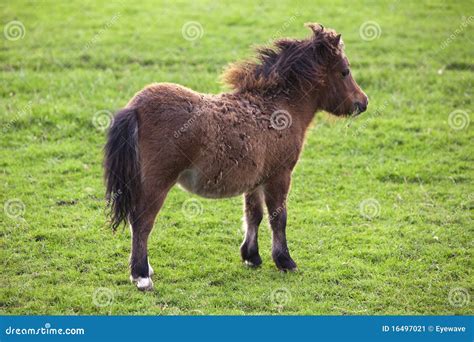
column 245, row 141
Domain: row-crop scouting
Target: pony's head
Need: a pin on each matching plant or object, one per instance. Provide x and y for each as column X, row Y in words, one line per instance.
column 343, row 96
column 315, row 68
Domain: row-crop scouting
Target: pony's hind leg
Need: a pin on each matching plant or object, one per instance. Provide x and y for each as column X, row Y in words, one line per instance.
column 253, row 216
column 142, row 224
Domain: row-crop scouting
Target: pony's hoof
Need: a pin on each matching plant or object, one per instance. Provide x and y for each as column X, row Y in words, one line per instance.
column 284, row 263
column 143, row 284
column 250, row 258
column 254, row 261
column 250, row 264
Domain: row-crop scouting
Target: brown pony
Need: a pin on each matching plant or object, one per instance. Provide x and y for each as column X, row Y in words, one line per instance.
column 243, row 142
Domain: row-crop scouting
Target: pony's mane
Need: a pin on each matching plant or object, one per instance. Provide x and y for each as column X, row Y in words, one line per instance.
column 287, row 64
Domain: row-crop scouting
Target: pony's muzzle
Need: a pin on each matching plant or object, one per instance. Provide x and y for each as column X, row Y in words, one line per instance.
column 360, row 107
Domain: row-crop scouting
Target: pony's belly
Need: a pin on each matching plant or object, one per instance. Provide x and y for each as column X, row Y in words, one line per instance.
column 194, row 181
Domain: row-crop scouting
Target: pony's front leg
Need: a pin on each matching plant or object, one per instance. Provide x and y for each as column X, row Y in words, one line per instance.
column 276, row 190
column 253, row 216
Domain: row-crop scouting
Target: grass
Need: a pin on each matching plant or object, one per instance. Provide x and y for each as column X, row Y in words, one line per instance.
column 78, row 58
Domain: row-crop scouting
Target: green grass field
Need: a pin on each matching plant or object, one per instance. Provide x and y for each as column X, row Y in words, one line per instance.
column 380, row 213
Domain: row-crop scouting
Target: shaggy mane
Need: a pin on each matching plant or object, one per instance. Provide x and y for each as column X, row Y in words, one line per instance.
column 287, row 64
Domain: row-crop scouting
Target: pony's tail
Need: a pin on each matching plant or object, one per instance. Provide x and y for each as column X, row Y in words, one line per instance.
column 122, row 167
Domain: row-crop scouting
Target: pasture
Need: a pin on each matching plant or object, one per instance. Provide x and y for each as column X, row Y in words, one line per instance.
column 380, row 211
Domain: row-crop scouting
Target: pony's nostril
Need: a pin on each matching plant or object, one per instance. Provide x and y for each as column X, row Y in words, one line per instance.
column 361, row 107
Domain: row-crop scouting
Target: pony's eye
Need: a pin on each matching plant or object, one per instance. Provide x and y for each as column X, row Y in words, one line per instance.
column 345, row 73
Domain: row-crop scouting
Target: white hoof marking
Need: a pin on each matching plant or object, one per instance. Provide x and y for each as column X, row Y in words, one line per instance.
column 143, row 284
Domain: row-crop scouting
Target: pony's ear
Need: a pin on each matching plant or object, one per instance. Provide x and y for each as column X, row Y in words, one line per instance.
column 316, row 28
column 337, row 40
